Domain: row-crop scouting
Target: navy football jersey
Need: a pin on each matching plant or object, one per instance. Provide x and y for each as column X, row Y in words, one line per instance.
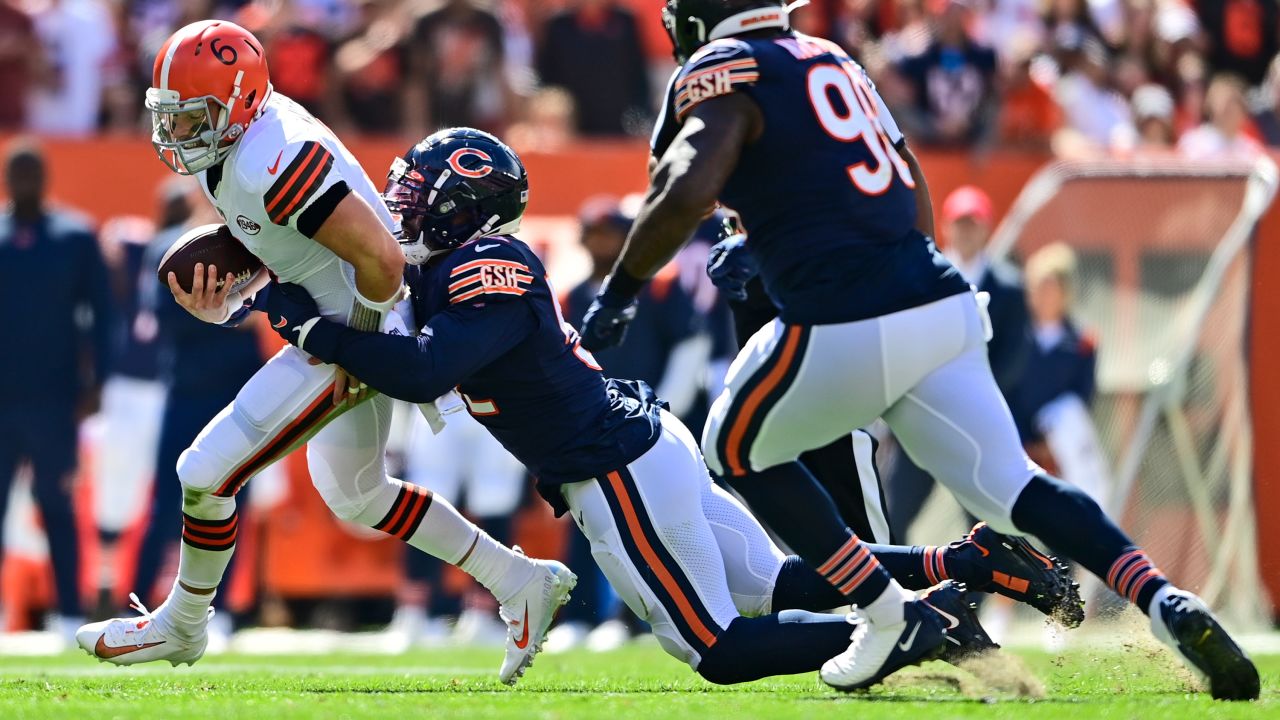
column 492, row 327
column 826, row 197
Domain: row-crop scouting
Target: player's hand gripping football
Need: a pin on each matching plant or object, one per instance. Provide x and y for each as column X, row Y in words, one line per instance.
column 206, row 301
column 291, row 312
column 730, row 265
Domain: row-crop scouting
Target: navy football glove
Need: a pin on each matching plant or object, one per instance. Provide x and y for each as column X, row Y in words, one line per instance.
column 291, row 311
column 731, row 266
column 605, row 326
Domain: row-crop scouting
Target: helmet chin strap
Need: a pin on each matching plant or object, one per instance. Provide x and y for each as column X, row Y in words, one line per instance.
column 749, row 20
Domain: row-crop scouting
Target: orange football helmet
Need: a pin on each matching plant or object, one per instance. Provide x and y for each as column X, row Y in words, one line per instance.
column 209, row 82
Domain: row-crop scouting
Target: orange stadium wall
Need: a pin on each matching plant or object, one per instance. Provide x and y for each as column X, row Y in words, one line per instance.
column 559, row 183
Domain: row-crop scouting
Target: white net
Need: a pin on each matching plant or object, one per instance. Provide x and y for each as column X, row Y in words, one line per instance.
column 1163, row 282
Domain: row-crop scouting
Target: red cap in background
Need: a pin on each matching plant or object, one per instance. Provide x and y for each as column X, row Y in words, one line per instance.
column 967, row 201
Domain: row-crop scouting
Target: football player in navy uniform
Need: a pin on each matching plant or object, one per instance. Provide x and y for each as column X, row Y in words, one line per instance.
column 873, row 322
column 682, row 553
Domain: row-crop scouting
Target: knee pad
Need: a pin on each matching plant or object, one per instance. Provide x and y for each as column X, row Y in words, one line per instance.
column 355, row 492
column 199, row 472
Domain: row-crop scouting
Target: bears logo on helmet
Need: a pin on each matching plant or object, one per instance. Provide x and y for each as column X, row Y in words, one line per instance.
column 455, row 162
column 453, row 187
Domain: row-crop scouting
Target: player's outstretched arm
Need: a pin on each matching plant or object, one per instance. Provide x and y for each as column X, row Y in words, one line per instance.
column 455, row 344
column 687, row 181
column 682, row 191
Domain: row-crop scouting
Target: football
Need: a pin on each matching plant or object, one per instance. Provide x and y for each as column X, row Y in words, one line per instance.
column 211, row 245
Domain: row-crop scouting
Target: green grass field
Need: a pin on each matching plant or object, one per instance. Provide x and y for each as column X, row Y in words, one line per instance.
column 636, row 682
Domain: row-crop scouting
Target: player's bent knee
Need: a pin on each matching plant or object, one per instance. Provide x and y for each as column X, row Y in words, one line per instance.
column 198, row 472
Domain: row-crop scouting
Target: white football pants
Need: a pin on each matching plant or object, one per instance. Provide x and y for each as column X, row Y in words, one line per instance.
column 683, row 554
column 924, row 370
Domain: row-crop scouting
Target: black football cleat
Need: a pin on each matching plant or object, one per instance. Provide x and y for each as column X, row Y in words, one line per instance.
column 1183, row 622
column 877, row 651
column 966, row 637
column 1020, row 571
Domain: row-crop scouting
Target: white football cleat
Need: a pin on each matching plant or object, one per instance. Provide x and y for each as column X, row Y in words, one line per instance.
column 877, row 651
column 529, row 614
column 129, row 641
column 1183, row 622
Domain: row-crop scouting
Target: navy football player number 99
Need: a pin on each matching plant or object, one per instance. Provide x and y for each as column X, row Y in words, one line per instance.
column 860, row 122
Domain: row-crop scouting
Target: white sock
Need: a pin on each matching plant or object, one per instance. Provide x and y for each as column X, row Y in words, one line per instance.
column 184, row 611
column 446, row 534
column 888, row 608
column 498, row 568
column 211, row 521
column 441, row 531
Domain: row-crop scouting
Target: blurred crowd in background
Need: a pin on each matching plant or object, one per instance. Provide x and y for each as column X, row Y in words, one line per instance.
column 1080, row 77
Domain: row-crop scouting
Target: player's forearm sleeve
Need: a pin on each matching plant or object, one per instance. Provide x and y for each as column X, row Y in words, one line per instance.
column 421, row 369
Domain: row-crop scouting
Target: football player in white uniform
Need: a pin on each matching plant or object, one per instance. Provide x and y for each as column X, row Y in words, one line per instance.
column 296, row 198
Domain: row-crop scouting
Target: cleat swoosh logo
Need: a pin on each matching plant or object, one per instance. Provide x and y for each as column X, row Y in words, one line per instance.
column 953, row 622
column 905, row 645
column 523, row 641
column 107, row 652
column 272, row 170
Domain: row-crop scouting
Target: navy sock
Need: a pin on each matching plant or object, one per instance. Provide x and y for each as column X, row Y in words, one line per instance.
column 790, row 501
column 919, row 567
column 800, row 587
column 1071, row 523
column 911, row 565
column 785, row 643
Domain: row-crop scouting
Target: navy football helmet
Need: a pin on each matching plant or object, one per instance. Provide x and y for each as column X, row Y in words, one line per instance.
column 694, row 23
column 453, row 187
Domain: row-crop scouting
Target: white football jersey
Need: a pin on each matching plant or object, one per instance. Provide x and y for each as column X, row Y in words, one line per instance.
column 277, row 186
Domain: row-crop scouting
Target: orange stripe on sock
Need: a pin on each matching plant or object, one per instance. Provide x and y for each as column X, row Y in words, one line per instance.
column 219, row 544
column 857, row 579
column 402, row 502
column 212, row 526
column 1141, row 582
column 1130, row 575
column 854, row 563
column 737, row 465
column 415, row 506
column 1119, row 563
column 664, row 576
column 839, row 556
column 929, row 574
